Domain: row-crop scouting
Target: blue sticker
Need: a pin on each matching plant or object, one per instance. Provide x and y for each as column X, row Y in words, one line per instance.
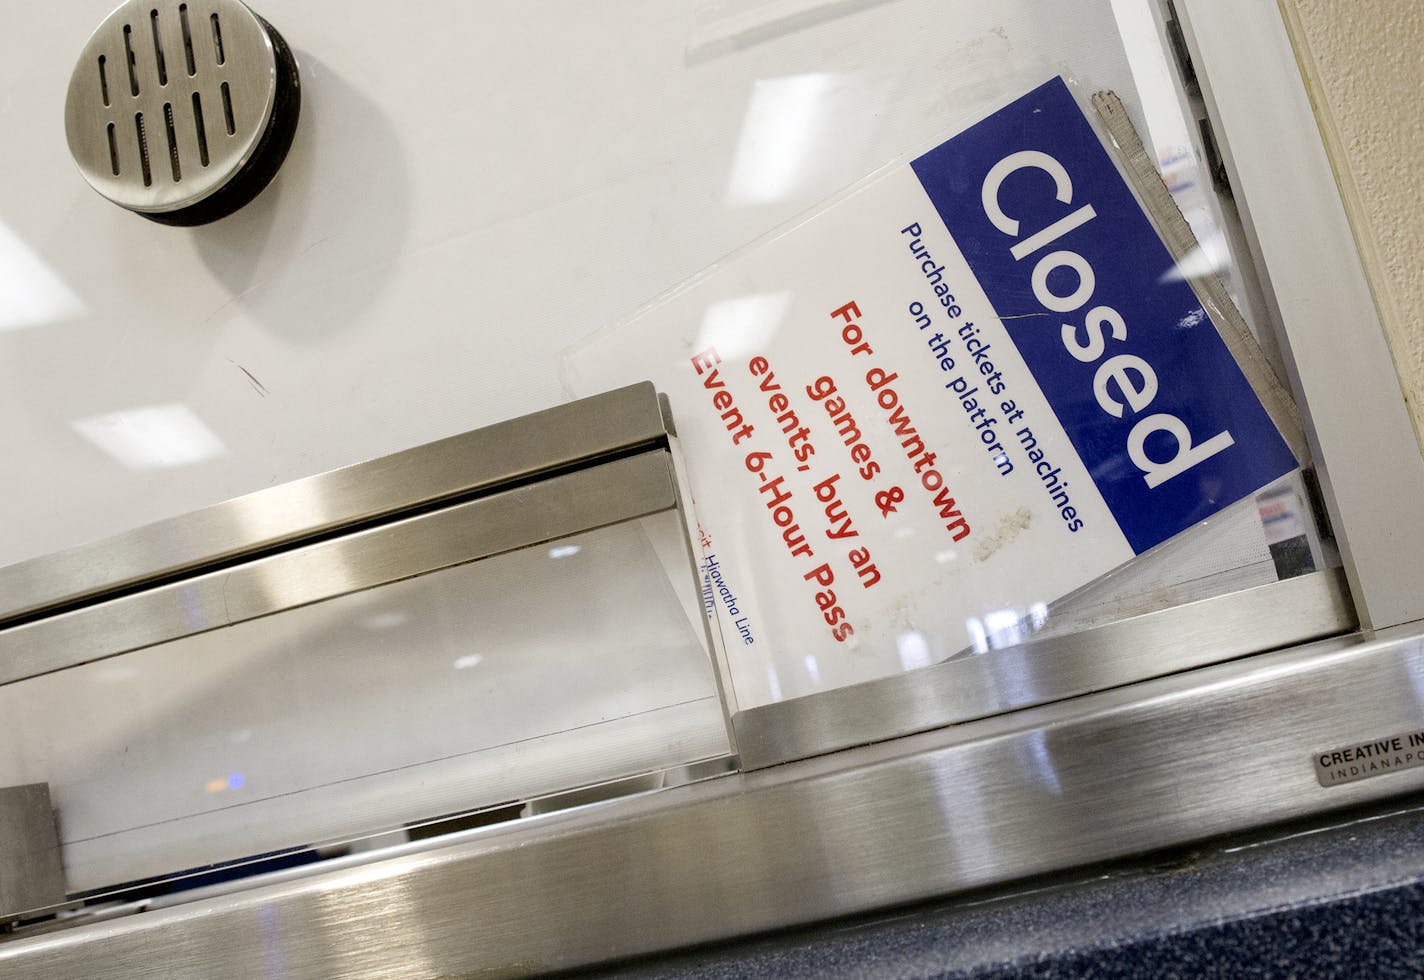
column 1132, row 365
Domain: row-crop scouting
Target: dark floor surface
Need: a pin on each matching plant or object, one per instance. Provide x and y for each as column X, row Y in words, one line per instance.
column 1343, row 897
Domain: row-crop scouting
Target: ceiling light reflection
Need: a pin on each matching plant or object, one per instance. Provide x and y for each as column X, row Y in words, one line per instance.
column 978, row 639
column 154, row 437
column 913, row 649
column 813, row 669
column 1037, row 616
column 387, row 620
column 1209, row 258
column 743, row 325
column 778, row 137
column 773, row 683
column 1005, row 627
column 31, row 293
column 221, row 783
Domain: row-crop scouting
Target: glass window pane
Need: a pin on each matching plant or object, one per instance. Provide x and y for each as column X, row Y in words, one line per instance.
column 501, row 680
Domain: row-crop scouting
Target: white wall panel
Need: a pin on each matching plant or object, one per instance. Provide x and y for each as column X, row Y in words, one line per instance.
column 472, row 188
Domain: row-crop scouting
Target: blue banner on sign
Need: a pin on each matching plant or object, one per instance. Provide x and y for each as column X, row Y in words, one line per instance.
column 1136, row 372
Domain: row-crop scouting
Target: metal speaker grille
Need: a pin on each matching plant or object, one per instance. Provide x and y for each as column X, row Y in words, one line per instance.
column 182, row 112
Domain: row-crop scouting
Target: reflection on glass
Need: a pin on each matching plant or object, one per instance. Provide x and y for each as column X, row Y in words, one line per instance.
column 31, row 293
column 502, row 679
column 741, row 326
column 774, row 683
column 1037, row 616
column 387, row 620
column 914, row 650
column 813, row 669
column 222, row 783
column 1000, row 628
column 1208, row 259
column 778, row 138
column 153, row 437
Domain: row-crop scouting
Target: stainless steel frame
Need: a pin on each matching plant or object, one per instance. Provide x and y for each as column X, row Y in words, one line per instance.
column 488, row 459
column 576, row 467
column 1341, row 370
column 1110, row 774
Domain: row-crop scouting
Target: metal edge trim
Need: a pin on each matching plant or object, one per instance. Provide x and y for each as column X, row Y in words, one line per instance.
column 482, row 460
column 968, row 687
column 1340, row 365
column 711, row 635
column 549, row 509
column 1122, row 772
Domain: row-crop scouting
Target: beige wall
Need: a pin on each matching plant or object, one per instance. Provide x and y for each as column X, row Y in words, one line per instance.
column 1363, row 62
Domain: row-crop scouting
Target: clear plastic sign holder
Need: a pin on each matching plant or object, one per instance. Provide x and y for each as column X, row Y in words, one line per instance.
column 1109, row 633
column 839, row 382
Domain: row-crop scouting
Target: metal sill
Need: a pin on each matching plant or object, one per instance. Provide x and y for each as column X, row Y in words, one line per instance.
column 1105, row 775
